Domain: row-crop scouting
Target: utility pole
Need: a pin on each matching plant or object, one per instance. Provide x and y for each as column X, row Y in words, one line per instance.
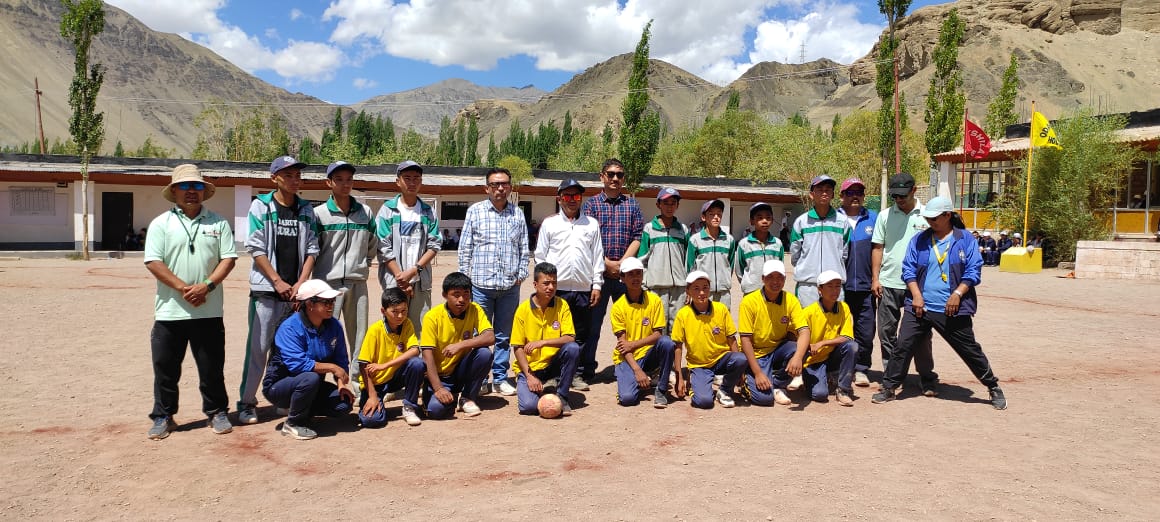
column 802, row 56
column 39, row 118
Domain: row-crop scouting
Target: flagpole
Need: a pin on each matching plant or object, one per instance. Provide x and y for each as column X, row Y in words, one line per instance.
column 1027, row 195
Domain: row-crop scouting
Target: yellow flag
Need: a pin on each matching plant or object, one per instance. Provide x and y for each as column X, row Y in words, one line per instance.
column 1042, row 135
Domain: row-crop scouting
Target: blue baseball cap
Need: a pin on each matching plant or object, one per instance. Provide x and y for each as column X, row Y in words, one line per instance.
column 569, row 183
column 408, row 165
column 285, row 162
column 761, row 205
column 936, row 207
column 339, row 165
column 712, row 203
column 668, row 192
column 818, row 180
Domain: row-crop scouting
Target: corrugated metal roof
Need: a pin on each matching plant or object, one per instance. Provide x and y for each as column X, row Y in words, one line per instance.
column 1008, row 146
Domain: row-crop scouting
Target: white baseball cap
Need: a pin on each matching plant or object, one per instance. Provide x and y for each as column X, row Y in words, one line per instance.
column 695, row 275
column 629, row 264
column 771, row 266
column 827, row 276
column 316, row 288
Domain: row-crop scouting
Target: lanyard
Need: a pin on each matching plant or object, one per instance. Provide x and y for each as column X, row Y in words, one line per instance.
column 941, row 258
column 188, row 233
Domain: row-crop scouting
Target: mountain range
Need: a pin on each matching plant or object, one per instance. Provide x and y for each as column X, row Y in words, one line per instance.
column 1073, row 53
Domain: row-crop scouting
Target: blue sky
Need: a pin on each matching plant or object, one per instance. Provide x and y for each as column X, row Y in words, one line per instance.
column 345, row 51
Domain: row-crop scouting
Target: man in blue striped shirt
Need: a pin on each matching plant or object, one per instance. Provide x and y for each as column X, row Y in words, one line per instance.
column 493, row 252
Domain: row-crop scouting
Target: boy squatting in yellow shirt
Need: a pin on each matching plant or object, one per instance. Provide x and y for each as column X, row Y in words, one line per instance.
column 831, row 347
column 773, row 328
column 638, row 321
column 454, row 343
column 389, row 362
column 707, row 329
column 544, row 341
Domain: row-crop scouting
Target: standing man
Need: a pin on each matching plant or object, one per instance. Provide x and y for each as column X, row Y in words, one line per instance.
column 283, row 247
column 570, row 240
column 346, row 245
column 818, row 241
column 621, row 224
column 892, row 234
column 408, row 234
column 859, row 276
column 190, row 251
column 494, row 254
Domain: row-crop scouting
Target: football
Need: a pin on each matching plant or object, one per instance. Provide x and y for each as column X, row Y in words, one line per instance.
column 550, row 406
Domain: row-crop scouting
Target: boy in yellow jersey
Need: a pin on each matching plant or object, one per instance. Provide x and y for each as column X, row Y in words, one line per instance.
column 638, row 321
column 454, row 344
column 388, row 362
column 706, row 328
column 832, row 347
column 773, row 328
column 544, row 341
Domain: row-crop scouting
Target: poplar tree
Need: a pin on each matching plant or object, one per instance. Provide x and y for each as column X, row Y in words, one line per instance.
column 945, row 101
column 640, row 132
column 83, row 20
column 1001, row 111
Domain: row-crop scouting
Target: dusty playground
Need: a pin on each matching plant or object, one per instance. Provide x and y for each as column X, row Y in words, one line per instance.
column 1077, row 359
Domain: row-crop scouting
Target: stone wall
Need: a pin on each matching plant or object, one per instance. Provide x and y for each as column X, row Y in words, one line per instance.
column 1117, row 260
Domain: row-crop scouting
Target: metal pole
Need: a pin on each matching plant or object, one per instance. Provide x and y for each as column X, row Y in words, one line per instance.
column 39, row 118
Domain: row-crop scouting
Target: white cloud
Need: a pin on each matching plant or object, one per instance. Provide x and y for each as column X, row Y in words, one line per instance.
column 706, row 38
column 363, row 83
column 198, row 21
column 295, row 14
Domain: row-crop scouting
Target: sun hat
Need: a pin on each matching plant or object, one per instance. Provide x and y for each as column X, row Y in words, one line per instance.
column 187, row 172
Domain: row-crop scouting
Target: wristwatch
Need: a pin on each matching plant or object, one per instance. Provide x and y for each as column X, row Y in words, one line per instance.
column 209, row 284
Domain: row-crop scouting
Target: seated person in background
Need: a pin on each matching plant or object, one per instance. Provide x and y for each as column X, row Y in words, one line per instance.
column 454, row 344
column 832, row 346
column 705, row 327
column 989, row 249
column 638, row 321
column 1004, row 243
column 544, row 341
column 773, row 328
column 307, row 346
column 390, row 362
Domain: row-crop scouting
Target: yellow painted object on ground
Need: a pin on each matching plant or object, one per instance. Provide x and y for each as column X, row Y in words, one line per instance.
column 1021, row 261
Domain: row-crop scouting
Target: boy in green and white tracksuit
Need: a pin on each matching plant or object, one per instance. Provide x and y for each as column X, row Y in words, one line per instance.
column 757, row 248
column 409, row 239
column 711, row 251
column 818, row 241
column 662, row 249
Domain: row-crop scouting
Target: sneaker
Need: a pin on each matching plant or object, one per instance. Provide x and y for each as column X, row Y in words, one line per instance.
column 387, row 397
column 660, row 400
column 844, row 398
column 795, row 384
column 725, row 400
column 282, row 412
column 410, row 416
column 998, row 400
column 883, row 395
column 468, row 407
column 506, row 389
column 780, row 397
column 220, row 422
column 248, row 415
column 861, row 380
column 579, row 384
column 565, row 408
column 485, row 389
column 161, row 428
column 297, row 431
column 718, row 380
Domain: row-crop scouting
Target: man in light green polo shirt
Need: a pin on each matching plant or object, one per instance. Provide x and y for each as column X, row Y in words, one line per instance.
column 893, row 230
column 190, row 250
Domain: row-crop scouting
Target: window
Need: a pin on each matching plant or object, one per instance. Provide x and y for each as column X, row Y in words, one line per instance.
column 33, row 201
column 453, row 210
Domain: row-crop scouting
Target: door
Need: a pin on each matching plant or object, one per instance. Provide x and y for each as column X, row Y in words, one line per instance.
column 116, row 220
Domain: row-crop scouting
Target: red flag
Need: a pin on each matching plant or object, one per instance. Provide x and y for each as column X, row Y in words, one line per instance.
column 976, row 143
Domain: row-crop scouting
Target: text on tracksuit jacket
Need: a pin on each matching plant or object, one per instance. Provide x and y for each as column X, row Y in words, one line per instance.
column 263, row 230
column 346, row 242
column 818, row 243
column 965, row 266
column 858, row 275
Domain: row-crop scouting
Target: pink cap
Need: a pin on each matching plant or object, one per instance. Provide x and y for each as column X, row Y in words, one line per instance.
column 851, row 182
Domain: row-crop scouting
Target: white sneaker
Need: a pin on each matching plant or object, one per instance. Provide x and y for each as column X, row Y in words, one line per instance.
column 248, row 416
column 780, row 397
column 506, row 389
column 388, row 397
column 860, row 380
column 718, row 379
column 410, row 416
column 795, row 384
column 469, row 407
column 725, row 400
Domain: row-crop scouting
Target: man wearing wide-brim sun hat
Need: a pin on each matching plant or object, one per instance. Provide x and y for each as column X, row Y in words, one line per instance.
column 189, row 250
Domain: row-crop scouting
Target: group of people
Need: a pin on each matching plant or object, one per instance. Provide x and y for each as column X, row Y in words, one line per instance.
column 992, row 250
column 669, row 291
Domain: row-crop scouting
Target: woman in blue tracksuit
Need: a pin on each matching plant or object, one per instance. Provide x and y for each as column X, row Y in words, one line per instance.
column 941, row 269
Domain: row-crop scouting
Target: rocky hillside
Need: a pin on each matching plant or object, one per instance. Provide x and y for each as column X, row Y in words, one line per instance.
column 423, row 108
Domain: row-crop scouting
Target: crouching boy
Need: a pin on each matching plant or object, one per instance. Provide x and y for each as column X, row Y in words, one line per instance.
column 773, row 328
column 544, row 341
column 454, row 344
column 705, row 327
column 832, row 347
column 390, row 363
column 638, row 320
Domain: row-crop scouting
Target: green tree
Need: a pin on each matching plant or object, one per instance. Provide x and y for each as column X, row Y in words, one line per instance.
column 471, row 156
column 82, row 21
column 583, row 154
column 148, row 149
column 886, row 82
column 734, row 102
column 119, row 151
column 566, row 135
column 640, row 132
column 460, row 142
column 491, row 150
column 945, row 101
column 1001, row 110
column 519, row 167
column 445, row 151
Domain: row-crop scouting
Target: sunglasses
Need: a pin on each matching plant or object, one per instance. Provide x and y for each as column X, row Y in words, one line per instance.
column 190, row 185
column 896, row 196
column 615, row 174
column 937, row 217
column 571, row 198
column 324, row 302
column 852, row 192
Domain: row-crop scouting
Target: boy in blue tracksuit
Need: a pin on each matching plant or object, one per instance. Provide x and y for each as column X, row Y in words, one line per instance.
column 859, row 298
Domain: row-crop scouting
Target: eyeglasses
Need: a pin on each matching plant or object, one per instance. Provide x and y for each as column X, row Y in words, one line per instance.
column 329, row 303
column 896, row 196
column 190, row 185
column 499, row 184
column 852, row 192
column 616, row 174
column 571, row 198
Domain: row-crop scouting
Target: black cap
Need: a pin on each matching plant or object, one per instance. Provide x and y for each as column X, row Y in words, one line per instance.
column 901, row 183
column 569, row 183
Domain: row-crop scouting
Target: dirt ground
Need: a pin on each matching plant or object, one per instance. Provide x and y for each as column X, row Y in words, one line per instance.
column 1076, row 358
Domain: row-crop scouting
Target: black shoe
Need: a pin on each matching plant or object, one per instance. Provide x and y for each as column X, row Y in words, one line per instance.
column 998, row 400
column 930, row 390
column 883, row 395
